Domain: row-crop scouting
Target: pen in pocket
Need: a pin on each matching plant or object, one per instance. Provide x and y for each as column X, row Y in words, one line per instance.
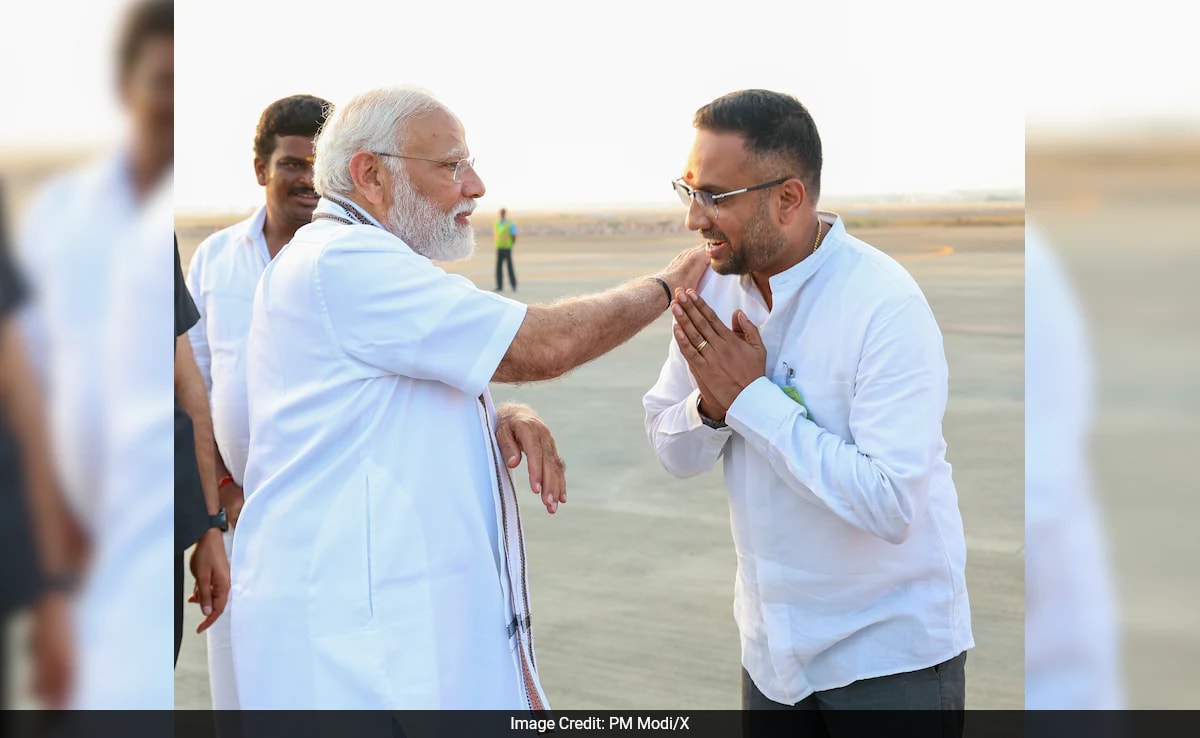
column 789, row 388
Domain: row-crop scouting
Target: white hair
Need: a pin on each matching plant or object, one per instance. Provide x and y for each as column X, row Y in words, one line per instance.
column 373, row 121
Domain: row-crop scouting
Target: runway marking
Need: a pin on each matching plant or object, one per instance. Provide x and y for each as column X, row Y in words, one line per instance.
column 939, row 251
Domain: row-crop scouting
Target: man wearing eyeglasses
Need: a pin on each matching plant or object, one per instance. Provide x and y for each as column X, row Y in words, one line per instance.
column 221, row 277
column 810, row 364
column 380, row 561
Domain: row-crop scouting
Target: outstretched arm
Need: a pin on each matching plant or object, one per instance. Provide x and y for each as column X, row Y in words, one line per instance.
column 555, row 339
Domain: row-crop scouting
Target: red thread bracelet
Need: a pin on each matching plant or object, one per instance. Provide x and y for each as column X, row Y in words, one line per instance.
column 227, row 479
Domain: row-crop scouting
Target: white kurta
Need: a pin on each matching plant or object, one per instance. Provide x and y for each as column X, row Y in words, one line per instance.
column 67, row 247
column 221, row 278
column 98, row 266
column 851, row 557
column 366, row 569
column 125, row 610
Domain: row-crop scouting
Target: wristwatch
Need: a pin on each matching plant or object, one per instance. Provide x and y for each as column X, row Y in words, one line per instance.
column 219, row 521
column 714, row 424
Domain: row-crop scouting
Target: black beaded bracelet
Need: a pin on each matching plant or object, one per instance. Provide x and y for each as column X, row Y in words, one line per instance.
column 666, row 289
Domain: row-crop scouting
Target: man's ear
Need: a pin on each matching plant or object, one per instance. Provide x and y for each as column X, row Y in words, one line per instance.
column 368, row 176
column 793, row 197
column 260, row 171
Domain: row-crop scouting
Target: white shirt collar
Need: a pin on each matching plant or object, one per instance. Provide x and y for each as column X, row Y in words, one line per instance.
column 251, row 232
column 251, row 229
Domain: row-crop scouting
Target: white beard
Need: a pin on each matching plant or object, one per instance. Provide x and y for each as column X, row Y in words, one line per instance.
column 432, row 234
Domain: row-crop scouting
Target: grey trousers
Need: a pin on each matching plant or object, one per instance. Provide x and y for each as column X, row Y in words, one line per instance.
column 938, row 693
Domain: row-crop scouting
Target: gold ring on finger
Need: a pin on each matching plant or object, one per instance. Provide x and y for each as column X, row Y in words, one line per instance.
column 700, row 346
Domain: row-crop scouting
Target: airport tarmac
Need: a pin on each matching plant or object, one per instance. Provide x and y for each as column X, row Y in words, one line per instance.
column 632, row 580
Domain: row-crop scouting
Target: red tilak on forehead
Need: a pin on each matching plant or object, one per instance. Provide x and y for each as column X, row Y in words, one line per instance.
column 689, row 176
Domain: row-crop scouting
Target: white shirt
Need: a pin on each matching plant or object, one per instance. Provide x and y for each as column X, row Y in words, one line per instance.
column 221, row 278
column 66, row 249
column 124, row 615
column 1071, row 649
column 365, row 567
column 849, row 541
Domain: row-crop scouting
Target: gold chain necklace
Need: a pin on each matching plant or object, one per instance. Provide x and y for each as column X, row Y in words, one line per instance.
column 817, row 240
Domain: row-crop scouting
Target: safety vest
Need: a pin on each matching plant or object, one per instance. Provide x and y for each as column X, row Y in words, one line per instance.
column 504, row 239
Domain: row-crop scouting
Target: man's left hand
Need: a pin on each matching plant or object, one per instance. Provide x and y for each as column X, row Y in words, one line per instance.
column 722, row 360
column 519, row 431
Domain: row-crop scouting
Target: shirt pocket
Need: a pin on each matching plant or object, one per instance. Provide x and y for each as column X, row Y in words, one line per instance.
column 339, row 593
column 828, row 405
column 401, row 560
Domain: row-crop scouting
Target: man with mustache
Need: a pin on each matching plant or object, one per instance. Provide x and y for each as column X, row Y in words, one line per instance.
column 221, row 277
column 811, row 365
column 380, row 562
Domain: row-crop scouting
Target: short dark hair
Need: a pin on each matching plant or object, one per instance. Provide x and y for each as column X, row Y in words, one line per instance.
column 774, row 125
column 142, row 22
column 297, row 115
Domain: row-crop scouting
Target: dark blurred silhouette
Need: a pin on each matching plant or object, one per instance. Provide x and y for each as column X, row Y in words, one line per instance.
column 35, row 568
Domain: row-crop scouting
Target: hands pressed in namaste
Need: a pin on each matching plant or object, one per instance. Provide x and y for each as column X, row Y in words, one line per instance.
column 723, row 360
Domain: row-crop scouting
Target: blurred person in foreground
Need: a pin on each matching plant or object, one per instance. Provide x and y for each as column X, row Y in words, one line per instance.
column 1071, row 636
column 379, row 561
column 810, row 364
column 35, row 564
column 124, row 615
column 505, row 232
column 71, row 237
column 221, row 278
column 94, row 249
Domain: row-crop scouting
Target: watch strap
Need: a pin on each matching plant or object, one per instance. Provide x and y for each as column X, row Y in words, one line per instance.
column 710, row 422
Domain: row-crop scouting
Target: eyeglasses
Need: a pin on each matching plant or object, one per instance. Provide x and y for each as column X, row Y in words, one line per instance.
column 707, row 200
column 459, row 167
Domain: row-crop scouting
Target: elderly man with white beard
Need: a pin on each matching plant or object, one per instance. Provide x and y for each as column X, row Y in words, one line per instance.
column 379, row 562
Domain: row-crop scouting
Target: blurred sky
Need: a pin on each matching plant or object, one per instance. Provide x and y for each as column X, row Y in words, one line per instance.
column 58, row 74
column 590, row 104
column 1097, row 69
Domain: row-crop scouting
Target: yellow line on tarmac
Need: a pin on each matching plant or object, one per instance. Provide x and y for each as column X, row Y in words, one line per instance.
column 938, row 251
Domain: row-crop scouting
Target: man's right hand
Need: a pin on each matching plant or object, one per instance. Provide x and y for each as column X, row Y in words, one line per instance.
column 685, row 270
